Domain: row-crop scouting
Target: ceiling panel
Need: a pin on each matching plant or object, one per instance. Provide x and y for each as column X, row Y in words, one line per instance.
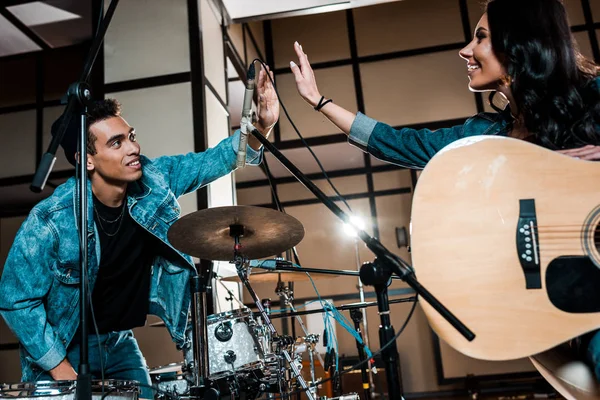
column 58, row 23
column 244, row 10
column 13, row 41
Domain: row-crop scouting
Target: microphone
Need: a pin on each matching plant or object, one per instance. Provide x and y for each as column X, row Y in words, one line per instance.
column 246, row 116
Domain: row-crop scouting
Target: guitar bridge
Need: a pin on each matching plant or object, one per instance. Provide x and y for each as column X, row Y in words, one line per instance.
column 528, row 244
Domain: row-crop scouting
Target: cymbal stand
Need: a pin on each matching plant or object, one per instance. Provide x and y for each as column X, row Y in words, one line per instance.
column 243, row 268
column 312, row 340
column 287, row 295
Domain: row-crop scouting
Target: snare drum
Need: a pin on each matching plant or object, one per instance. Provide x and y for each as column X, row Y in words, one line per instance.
column 65, row 390
column 171, row 379
column 233, row 344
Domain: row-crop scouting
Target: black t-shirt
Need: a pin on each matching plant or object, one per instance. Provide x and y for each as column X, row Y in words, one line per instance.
column 120, row 295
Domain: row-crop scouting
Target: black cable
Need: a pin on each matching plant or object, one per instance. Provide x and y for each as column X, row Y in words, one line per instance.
column 340, row 197
column 100, row 17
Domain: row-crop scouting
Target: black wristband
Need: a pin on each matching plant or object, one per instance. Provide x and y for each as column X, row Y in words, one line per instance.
column 322, row 103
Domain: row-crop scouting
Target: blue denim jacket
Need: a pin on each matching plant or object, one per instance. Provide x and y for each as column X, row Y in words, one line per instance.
column 413, row 148
column 39, row 288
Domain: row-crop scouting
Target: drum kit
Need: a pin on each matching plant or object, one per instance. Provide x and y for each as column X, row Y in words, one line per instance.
column 236, row 354
column 239, row 353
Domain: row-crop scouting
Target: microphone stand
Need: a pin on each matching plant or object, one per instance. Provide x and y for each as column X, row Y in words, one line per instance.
column 377, row 274
column 78, row 97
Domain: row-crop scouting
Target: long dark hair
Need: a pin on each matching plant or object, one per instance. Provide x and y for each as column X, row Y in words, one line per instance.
column 552, row 83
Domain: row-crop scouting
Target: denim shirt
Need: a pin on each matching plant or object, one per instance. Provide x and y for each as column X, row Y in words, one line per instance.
column 39, row 288
column 413, row 148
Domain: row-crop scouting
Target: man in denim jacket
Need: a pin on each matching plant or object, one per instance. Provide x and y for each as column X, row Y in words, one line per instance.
column 133, row 269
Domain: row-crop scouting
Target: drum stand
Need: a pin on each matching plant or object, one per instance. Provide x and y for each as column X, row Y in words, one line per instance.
column 242, row 267
column 286, row 293
column 202, row 388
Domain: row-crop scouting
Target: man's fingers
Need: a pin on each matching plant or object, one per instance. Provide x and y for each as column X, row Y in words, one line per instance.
column 261, row 79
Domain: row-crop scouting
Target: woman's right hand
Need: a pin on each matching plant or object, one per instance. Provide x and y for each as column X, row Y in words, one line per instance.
column 305, row 77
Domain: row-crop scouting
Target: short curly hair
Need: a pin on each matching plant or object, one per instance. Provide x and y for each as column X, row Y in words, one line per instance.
column 99, row 111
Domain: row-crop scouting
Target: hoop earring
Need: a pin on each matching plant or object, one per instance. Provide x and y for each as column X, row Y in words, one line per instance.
column 506, row 80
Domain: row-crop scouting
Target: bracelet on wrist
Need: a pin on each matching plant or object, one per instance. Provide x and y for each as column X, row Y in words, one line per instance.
column 322, row 103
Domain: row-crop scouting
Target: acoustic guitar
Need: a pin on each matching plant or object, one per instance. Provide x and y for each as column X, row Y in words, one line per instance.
column 506, row 234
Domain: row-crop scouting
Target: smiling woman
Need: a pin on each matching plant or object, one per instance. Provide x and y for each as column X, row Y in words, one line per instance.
column 525, row 52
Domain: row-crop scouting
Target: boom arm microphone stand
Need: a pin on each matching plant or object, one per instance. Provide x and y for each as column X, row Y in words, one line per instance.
column 377, row 274
column 79, row 96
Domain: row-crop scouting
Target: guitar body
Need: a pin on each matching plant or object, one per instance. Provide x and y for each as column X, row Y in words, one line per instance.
column 505, row 234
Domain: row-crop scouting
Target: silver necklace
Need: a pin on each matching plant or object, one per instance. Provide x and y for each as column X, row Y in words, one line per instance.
column 119, row 218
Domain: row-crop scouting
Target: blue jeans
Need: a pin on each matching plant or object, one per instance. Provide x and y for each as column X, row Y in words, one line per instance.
column 593, row 353
column 121, row 358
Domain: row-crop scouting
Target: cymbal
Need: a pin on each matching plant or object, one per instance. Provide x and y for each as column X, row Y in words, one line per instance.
column 205, row 233
column 275, row 276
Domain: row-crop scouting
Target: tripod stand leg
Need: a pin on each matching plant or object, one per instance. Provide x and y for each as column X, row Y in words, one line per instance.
column 390, row 354
column 356, row 316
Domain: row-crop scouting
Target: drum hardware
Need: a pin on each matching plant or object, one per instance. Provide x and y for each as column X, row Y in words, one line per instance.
column 207, row 234
column 352, row 396
column 285, row 293
column 243, row 269
column 295, row 275
column 380, row 272
column 308, row 343
column 343, row 307
column 173, row 380
column 109, row 389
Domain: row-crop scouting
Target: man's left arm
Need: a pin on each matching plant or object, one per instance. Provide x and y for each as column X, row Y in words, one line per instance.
column 191, row 171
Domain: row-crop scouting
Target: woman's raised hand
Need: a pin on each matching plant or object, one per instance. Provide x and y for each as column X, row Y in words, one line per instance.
column 305, row 77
